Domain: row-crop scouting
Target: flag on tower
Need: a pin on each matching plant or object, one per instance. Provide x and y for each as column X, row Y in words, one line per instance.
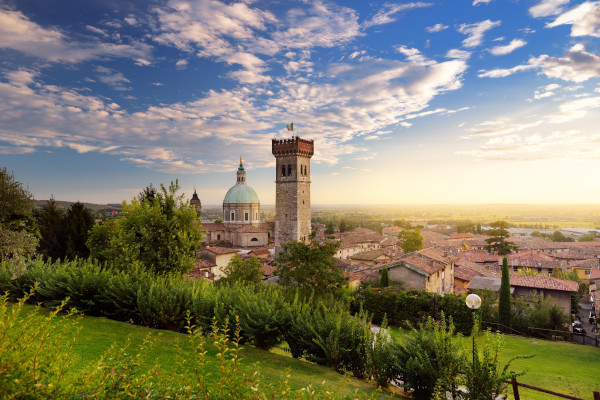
column 290, row 127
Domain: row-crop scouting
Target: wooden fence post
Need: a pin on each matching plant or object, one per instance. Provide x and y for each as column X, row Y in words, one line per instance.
column 515, row 386
column 596, row 395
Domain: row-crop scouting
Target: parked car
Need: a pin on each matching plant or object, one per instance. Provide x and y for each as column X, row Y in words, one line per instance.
column 578, row 328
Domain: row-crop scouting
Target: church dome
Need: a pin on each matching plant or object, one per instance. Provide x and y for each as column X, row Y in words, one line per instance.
column 241, row 193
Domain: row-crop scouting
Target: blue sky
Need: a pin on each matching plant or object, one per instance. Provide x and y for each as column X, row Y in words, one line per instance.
column 480, row 101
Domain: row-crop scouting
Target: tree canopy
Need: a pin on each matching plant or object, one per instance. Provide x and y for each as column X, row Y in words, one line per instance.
column 160, row 233
column 18, row 230
column 248, row 270
column 309, row 266
column 497, row 242
column 411, row 240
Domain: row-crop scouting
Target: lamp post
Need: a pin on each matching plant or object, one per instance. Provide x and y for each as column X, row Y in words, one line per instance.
column 473, row 302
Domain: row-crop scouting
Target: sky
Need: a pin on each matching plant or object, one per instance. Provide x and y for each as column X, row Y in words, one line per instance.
column 443, row 102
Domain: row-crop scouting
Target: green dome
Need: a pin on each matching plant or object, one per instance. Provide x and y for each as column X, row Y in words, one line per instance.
column 241, row 193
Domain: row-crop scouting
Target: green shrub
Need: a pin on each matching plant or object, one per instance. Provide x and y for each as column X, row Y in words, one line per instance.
column 429, row 360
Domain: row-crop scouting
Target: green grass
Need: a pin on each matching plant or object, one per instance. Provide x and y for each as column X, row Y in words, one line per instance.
column 562, row 367
column 98, row 334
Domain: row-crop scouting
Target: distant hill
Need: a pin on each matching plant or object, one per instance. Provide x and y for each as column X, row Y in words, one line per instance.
column 93, row 207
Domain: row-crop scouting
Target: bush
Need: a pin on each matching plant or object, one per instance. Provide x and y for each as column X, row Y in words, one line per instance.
column 429, row 360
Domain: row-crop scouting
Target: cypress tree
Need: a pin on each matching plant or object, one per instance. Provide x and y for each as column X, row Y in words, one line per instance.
column 385, row 280
column 504, row 306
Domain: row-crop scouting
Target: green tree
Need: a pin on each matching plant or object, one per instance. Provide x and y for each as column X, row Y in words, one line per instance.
column 558, row 236
column 161, row 234
column 18, row 230
column 50, row 222
column 478, row 228
column 330, row 228
column 385, row 279
column 497, row 242
column 536, row 234
column 309, row 266
column 16, row 204
column 411, row 240
column 248, row 270
column 149, row 193
column 504, row 297
column 587, row 238
column 77, row 223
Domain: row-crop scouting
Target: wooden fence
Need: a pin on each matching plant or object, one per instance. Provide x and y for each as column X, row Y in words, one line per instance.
column 515, row 386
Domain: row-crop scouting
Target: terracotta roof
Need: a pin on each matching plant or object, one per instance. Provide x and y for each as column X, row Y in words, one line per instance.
column 251, row 229
column 392, row 230
column 260, row 252
column 529, row 255
column 212, row 227
column 543, row 282
column 465, row 274
column 389, row 241
column 595, row 273
column 268, row 270
column 371, row 255
column 420, row 262
column 437, row 254
column 461, row 236
column 491, row 270
column 478, row 256
column 485, row 282
column 363, row 231
column 219, row 250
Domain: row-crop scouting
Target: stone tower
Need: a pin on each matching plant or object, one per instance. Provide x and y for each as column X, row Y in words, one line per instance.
column 195, row 201
column 292, row 190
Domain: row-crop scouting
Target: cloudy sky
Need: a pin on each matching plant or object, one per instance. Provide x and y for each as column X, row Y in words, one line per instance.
column 455, row 101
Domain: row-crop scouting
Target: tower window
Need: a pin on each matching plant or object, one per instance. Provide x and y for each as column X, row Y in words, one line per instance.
column 289, row 170
column 301, row 170
column 283, row 170
column 256, row 216
column 305, row 173
column 232, row 216
column 246, row 216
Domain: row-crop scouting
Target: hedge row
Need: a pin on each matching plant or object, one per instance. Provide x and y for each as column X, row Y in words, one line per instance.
column 412, row 307
column 325, row 334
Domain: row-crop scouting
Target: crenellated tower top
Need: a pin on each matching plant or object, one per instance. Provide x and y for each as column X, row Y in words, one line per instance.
column 293, row 146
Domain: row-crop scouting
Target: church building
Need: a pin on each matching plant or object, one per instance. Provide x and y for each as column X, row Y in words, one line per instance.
column 241, row 226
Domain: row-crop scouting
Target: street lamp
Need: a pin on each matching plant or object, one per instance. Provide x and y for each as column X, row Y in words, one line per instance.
column 473, row 302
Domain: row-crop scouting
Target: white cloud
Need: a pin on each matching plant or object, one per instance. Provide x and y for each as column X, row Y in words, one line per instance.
column 112, row 78
column 476, row 31
column 577, row 65
column 10, row 150
column 585, row 20
column 545, row 8
column 478, row 2
column 460, row 54
column 19, row 33
column 436, row 28
column 509, row 48
column 389, row 12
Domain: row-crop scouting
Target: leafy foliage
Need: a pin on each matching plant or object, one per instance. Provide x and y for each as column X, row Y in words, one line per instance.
column 504, row 296
column 411, row 240
column 429, row 360
column 385, row 278
column 497, row 242
column 161, row 234
column 309, row 266
column 238, row 270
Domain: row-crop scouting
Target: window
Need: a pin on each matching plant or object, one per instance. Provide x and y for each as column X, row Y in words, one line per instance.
column 246, row 216
column 218, row 237
column 516, row 269
column 289, row 169
column 283, row 170
column 256, row 216
column 233, row 216
column 539, row 270
column 305, row 173
column 254, row 240
column 301, row 170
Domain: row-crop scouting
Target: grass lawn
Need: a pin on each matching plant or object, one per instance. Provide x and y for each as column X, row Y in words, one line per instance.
column 562, row 367
column 98, row 334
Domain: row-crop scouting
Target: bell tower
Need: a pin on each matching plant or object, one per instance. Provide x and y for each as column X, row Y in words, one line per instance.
column 292, row 190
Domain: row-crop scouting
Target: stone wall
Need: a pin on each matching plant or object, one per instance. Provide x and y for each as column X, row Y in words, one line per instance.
column 292, row 198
